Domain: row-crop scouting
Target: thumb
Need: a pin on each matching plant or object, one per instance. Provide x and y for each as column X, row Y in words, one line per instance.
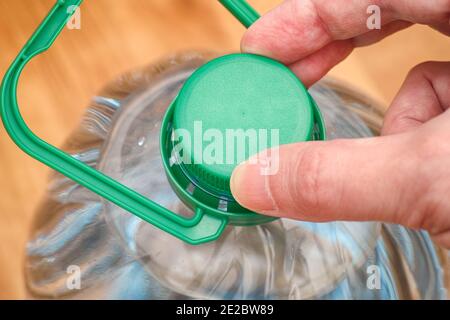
column 360, row 179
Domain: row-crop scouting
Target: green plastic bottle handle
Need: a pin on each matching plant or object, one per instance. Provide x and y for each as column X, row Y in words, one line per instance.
column 242, row 11
column 201, row 228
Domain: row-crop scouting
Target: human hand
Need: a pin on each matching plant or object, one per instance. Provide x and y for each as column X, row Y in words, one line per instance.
column 401, row 177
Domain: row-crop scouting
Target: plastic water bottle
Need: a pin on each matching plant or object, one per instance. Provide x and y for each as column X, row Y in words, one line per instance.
column 84, row 247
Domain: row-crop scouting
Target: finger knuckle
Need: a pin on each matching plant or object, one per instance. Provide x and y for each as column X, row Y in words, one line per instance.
column 291, row 25
column 403, row 118
column 309, row 186
column 432, row 181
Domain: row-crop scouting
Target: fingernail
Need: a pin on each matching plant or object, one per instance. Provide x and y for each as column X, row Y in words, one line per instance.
column 251, row 189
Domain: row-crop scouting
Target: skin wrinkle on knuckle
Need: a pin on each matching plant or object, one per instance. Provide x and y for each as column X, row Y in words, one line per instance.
column 412, row 205
column 287, row 182
column 410, row 188
column 300, row 23
column 272, row 189
column 271, row 33
column 408, row 117
column 434, row 209
column 427, row 205
column 432, row 72
column 321, row 22
column 291, row 24
column 308, row 185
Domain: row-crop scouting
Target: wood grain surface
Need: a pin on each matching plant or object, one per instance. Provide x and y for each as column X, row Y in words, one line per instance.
column 119, row 35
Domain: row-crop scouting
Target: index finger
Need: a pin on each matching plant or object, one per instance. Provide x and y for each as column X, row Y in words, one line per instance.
column 297, row 28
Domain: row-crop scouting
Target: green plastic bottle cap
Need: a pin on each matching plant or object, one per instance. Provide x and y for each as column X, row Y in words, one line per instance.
column 228, row 110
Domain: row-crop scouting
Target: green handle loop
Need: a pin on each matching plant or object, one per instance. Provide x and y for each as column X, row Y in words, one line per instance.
column 202, row 228
column 242, row 11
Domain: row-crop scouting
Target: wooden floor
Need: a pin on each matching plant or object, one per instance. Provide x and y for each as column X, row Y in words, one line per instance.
column 120, row 35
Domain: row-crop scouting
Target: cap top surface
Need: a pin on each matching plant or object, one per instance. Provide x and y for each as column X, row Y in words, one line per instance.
column 234, row 107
